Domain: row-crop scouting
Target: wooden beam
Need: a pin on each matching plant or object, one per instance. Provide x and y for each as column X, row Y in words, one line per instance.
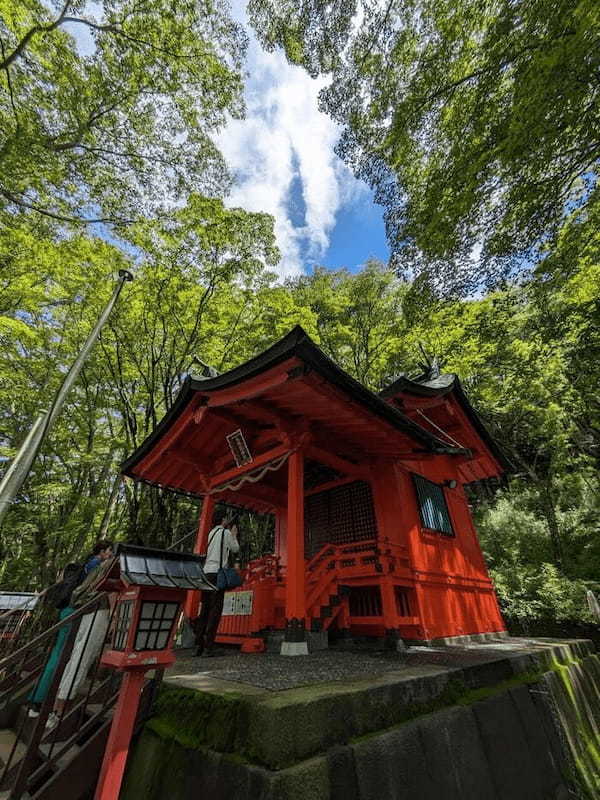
column 255, row 493
column 259, row 461
column 167, row 441
column 261, row 412
column 335, row 462
column 263, row 438
column 227, row 416
column 255, row 387
column 417, row 456
column 324, row 487
column 360, row 414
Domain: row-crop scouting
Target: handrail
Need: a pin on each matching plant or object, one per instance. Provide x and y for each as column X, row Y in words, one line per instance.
column 20, row 774
column 49, row 632
column 23, row 606
column 321, row 571
column 183, row 538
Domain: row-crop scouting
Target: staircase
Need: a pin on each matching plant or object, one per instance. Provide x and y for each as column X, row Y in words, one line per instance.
column 63, row 763
column 325, row 598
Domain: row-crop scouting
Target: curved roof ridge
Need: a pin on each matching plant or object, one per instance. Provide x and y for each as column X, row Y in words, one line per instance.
column 295, row 343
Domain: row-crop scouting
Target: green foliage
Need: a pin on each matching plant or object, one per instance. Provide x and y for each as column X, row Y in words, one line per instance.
column 360, row 320
column 123, row 130
column 475, row 123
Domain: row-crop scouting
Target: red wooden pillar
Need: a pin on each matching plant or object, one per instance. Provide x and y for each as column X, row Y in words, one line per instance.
column 119, row 739
column 410, row 524
column 295, row 643
column 206, row 514
column 386, row 503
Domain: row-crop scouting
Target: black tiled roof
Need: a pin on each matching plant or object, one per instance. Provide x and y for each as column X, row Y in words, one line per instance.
column 23, row 601
column 145, row 566
column 296, row 343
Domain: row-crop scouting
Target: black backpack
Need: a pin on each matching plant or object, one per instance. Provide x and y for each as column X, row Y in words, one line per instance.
column 59, row 595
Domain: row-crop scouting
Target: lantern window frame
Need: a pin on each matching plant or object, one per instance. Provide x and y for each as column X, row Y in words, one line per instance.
column 155, row 628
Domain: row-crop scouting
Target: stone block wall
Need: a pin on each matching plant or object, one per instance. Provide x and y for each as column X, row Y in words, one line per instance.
column 533, row 736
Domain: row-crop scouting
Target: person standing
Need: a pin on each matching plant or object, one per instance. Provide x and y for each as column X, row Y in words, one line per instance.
column 90, row 635
column 59, row 596
column 222, row 540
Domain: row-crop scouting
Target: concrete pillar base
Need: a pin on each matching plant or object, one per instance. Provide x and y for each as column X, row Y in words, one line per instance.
column 295, row 642
column 294, row 649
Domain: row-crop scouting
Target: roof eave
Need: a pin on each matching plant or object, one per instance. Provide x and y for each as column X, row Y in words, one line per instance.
column 295, row 343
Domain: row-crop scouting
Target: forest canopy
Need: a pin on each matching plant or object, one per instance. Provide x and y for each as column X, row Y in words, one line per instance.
column 477, row 125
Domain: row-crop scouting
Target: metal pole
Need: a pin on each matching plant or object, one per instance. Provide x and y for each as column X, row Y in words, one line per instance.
column 18, row 471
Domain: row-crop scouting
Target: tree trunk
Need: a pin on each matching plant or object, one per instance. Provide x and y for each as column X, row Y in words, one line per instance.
column 110, row 507
column 549, row 512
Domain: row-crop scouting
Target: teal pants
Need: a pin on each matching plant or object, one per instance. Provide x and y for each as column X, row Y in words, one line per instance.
column 38, row 695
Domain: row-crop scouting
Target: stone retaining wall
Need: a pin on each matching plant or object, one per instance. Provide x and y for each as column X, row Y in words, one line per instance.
column 516, row 728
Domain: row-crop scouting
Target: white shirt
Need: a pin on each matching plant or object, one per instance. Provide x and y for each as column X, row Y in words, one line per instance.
column 213, row 552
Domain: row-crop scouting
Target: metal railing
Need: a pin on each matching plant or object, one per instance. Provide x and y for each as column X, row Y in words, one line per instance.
column 24, row 671
column 78, row 687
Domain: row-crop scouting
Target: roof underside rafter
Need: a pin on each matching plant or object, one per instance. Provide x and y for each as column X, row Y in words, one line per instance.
column 291, row 390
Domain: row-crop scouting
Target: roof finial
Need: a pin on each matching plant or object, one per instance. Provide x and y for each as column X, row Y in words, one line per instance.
column 206, row 371
column 430, row 365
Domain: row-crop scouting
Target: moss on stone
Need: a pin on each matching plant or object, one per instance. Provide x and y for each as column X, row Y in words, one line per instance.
column 291, row 726
column 456, row 694
column 235, row 736
column 195, row 718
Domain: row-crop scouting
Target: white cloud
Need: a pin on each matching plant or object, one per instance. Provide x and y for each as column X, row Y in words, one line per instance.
column 284, row 142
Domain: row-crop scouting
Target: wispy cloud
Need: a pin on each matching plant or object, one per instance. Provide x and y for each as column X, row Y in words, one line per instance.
column 282, row 153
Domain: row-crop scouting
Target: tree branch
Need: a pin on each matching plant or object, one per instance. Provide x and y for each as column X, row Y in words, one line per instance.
column 61, row 217
column 10, row 88
column 6, row 62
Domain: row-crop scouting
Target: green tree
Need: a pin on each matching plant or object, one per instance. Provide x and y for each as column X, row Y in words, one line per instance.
column 360, row 320
column 475, row 123
column 122, row 131
column 202, row 288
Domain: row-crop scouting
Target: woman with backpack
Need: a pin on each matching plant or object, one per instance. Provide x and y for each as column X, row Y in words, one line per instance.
column 90, row 636
column 59, row 596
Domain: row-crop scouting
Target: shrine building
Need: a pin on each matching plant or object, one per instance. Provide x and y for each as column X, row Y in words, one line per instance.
column 373, row 530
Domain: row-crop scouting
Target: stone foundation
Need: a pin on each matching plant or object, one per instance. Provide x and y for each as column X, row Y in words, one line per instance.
column 516, row 721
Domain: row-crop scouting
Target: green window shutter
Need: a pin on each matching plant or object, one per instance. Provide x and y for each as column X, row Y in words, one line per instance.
column 432, row 506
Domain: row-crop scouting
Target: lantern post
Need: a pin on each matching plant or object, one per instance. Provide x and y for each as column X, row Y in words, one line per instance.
column 152, row 587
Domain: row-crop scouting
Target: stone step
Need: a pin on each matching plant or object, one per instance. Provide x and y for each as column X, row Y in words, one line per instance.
column 7, row 742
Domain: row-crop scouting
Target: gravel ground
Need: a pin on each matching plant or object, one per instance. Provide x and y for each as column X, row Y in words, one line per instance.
column 274, row 672
column 283, row 672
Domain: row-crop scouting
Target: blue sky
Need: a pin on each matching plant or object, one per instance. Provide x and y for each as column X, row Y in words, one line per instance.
column 282, row 156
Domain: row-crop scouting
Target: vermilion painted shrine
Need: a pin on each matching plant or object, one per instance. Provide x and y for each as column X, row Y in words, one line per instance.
column 374, row 533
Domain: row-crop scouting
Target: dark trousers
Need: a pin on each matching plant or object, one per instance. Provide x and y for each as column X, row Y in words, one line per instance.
column 210, row 615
